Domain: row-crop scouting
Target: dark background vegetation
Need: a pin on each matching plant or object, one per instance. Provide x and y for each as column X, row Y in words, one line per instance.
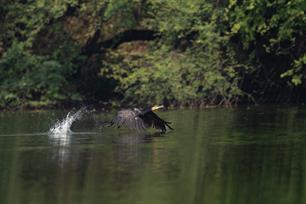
column 141, row 52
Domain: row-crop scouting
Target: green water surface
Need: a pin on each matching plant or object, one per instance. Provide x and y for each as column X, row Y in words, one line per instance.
column 222, row 156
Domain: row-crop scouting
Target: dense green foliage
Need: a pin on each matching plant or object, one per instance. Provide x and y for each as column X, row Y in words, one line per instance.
column 273, row 35
column 33, row 80
column 202, row 52
column 199, row 72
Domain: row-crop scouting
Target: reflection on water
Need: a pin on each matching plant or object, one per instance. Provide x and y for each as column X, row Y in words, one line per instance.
column 234, row 156
column 61, row 150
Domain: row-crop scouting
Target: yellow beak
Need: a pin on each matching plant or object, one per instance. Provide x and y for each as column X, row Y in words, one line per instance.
column 157, row 107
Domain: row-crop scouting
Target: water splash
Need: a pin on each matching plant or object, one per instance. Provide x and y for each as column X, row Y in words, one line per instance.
column 61, row 129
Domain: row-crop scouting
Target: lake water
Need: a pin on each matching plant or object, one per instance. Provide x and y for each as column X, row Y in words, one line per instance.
column 232, row 156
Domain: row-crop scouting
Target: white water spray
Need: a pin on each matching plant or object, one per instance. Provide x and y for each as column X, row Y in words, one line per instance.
column 61, row 129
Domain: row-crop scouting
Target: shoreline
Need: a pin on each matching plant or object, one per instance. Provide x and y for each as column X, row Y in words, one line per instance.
column 111, row 108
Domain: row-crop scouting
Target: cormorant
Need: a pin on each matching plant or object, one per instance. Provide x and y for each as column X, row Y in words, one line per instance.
column 140, row 119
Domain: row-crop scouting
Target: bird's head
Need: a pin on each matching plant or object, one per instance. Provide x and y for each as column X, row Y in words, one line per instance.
column 156, row 107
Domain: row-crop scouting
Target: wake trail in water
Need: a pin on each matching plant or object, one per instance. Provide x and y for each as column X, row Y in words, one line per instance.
column 24, row 134
column 61, row 129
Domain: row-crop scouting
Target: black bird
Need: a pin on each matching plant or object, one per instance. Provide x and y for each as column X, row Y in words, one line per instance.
column 140, row 119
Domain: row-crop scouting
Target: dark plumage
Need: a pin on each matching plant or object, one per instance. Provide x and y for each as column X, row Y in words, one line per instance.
column 140, row 119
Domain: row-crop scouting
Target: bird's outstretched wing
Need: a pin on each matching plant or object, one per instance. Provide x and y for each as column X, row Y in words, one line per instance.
column 150, row 119
column 128, row 119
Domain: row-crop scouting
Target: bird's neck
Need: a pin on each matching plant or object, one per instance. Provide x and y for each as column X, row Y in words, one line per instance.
column 146, row 111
